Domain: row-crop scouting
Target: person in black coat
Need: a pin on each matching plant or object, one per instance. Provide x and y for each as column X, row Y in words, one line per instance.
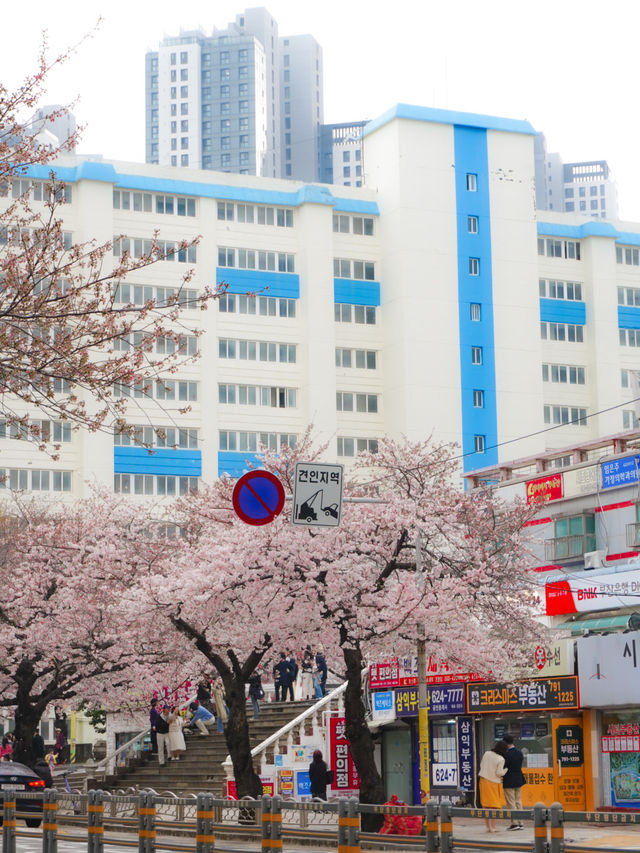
column 283, row 668
column 319, row 776
column 513, row 779
column 321, row 666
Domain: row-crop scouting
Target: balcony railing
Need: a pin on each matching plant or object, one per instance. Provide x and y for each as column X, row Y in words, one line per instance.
column 569, row 547
column 633, row 535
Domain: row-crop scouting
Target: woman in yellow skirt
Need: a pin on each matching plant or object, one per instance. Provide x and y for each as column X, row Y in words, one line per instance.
column 492, row 769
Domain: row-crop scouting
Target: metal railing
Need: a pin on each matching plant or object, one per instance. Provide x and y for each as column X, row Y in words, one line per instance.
column 569, row 547
column 273, row 820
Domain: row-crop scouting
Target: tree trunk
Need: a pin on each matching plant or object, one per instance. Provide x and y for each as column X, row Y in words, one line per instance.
column 360, row 739
column 27, row 714
column 236, row 732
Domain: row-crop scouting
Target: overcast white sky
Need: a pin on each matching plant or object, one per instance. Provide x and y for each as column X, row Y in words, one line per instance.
column 568, row 66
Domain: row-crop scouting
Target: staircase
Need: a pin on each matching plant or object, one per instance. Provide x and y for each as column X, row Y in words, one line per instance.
column 200, row 768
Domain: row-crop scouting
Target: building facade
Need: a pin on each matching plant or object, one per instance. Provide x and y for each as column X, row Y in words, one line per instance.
column 434, row 304
column 233, row 101
column 587, row 187
column 341, row 160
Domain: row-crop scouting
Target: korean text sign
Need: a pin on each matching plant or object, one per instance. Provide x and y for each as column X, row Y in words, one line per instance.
column 345, row 775
column 466, row 760
column 441, row 699
column 544, row 693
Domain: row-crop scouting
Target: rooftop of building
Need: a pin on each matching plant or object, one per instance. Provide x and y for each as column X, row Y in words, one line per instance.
column 412, row 112
column 552, row 223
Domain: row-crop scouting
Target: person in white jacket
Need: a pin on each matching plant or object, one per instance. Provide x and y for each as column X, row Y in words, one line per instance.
column 492, row 769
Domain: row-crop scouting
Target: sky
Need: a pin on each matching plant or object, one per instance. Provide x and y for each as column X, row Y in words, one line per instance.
column 568, row 66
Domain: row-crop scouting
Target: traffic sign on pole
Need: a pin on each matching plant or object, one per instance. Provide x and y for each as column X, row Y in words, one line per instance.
column 317, row 495
column 258, row 497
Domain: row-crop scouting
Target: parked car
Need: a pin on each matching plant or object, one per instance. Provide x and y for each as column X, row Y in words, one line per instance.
column 15, row 778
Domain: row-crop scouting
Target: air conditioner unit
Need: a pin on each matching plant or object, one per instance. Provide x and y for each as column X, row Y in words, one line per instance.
column 594, row 559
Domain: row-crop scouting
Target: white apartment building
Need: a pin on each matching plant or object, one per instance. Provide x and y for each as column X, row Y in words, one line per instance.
column 435, row 303
column 239, row 100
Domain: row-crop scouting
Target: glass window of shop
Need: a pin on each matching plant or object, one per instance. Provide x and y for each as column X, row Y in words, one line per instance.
column 444, row 754
column 531, row 735
column 621, row 757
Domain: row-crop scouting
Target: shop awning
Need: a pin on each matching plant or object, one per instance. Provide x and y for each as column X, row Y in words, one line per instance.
column 604, row 623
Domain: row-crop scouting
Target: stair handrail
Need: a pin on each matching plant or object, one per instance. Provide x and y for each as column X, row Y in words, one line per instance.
column 100, row 765
column 308, row 712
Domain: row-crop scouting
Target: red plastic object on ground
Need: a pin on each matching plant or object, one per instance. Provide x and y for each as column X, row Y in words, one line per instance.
column 399, row 824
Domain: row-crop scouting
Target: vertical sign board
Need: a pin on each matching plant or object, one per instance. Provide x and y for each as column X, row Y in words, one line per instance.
column 317, row 495
column 466, row 759
column 345, row 775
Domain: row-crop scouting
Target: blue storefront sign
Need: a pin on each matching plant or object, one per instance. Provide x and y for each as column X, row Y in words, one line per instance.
column 442, row 699
column 620, row 473
column 303, row 783
column 383, row 706
column 466, row 760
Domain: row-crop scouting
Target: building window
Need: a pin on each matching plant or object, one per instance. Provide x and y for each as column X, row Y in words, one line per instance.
column 627, row 255
column 478, row 399
column 347, row 401
column 565, row 374
column 184, row 109
column 359, row 358
column 551, row 289
column 475, row 312
column 351, row 446
column 184, row 159
column 474, row 266
column 476, row 355
column 569, row 249
column 472, row 224
column 359, row 270
column 243, row 124
column 224, row 57
column 629, row 337
column 479, row 443
column 472, row 182
column 562, row 332
column 565, row 415
column 184, row 57
column 573, row 537
column 225, row 74
column 172, row 59
column 362, row 314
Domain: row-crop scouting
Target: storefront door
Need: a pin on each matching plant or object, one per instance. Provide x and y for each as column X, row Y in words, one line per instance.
column 568, row 762
column 396, row 763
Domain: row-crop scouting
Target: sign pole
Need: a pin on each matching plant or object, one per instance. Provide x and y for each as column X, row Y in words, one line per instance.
column 423, row 701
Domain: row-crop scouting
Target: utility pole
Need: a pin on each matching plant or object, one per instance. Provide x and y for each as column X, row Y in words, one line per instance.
column 423, row 702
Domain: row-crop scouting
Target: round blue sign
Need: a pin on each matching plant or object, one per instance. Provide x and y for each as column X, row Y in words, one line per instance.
column 258, row 497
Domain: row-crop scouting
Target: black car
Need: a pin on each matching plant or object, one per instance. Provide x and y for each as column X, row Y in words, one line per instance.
column 15, row 778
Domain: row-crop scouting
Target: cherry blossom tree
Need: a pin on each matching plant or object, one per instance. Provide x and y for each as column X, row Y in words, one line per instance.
column 71, row 621
column 240, row 591
column 67, row 332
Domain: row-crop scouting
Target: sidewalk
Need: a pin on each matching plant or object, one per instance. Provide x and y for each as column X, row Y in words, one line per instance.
column 606, row 832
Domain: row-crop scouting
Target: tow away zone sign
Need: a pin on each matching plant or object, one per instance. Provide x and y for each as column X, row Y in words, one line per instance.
column 317, row 495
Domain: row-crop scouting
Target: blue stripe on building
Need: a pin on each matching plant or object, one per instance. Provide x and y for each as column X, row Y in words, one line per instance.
column 235, row 463
column 261, row 282
column 356, row 292
column 471, row 157
column 628, row 317
column 161, row 461
column 563, row 311
column 106, row 173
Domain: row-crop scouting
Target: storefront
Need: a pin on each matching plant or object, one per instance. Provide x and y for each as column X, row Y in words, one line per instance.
column 542, row 717
column 609, row 667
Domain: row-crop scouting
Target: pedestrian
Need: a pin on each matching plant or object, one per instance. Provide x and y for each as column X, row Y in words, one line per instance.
column 321, row 664
column 317, row 683
column 204, row 694
column 284, row 668
column 513, row 779
column 60, row 719
column 492, row 769
column 293, row 667
column 6, row 749
column 256, row 693
column 319, row 776
column 307, row 676
column 176, row 738
column 37, row 747
column 276, row 683
column 153, row 717
column 201, row 719
column 221, row 709
column 60, row 746
column 162, row 732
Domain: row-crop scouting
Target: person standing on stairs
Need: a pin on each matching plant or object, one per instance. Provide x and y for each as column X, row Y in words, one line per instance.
column 153, row 717
column 255, row 693
column 293, row 666
column 321, row 665
column 162, row 732
column 283, row 668
column 176, row 738
column 307, row 676
column 221, row 709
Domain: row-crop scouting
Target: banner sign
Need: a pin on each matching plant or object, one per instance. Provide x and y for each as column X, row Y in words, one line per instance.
column 303, row 783
column 383, row 707
column 587, row 592
column 441, row 699
column 620, row 744
column 403, row 672
column 345, row 775
column 543, row 693
column 609, row 668
column 466, row 760
column 620, row 473
column 569, row 747
column 554, row 658
column 544, row 489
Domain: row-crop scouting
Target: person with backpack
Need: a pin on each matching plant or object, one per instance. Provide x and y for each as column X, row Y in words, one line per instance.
column 255, row 693
column 162, row 734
